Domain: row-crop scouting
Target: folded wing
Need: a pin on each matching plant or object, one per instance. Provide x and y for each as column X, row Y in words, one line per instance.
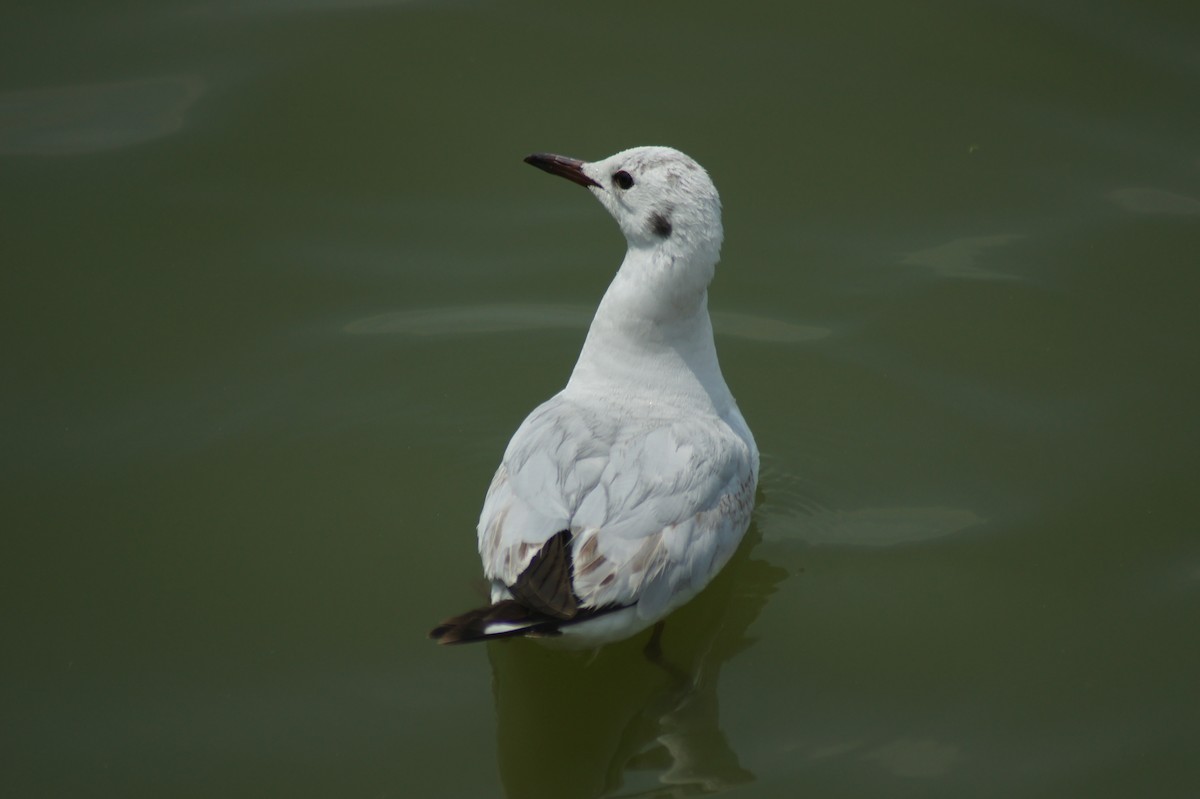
column 654, row 508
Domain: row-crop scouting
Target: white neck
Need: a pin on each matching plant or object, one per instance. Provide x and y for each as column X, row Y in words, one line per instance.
column 651, row 339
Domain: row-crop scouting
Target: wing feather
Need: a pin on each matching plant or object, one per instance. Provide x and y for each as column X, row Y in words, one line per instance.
column 654, row 508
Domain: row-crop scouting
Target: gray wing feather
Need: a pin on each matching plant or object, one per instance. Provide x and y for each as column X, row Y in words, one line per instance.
column 654, row 508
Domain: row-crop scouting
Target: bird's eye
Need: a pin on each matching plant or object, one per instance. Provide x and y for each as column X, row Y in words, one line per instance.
column 623, row 179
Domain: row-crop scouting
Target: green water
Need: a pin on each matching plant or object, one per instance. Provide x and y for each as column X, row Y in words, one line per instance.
column 278, row 288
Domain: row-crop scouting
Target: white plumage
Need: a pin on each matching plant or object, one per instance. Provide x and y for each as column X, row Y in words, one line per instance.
column 644, row 458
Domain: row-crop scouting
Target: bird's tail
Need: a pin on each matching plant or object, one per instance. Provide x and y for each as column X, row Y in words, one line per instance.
column 504, row 619
column 543, row 602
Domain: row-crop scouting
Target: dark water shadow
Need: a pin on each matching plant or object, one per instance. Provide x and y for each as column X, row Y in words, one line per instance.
column 613, row 723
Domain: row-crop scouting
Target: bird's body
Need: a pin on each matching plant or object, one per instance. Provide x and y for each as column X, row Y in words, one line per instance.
column 618, row 499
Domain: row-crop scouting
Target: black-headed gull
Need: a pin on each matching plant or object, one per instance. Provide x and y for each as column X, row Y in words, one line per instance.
column 619, row 498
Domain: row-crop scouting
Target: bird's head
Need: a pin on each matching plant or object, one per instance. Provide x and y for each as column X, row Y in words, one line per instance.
column 661, row 198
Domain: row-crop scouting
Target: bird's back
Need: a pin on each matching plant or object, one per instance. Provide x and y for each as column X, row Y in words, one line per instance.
column 654, row 502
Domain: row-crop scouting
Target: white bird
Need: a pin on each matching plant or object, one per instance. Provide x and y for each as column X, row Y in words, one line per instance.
column 619, row 498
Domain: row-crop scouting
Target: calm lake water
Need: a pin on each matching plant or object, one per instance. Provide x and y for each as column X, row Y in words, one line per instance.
column 278, row 289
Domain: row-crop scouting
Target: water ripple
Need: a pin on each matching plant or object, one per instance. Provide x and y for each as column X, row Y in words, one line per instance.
column 85, row 118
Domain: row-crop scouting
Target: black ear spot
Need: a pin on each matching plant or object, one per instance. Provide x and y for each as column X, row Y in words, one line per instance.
column 660, row 225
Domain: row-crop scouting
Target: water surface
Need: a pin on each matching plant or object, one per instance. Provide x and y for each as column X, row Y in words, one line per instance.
column 279, row 288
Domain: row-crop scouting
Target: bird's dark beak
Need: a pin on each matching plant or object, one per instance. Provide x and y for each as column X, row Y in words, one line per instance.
column 569, row 168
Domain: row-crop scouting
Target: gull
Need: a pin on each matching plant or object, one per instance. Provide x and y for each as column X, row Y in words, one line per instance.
column 622, row 496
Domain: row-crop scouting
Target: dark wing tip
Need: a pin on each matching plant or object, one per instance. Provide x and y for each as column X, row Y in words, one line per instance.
column 473, row 625
column 545, row 586
column 543, row 601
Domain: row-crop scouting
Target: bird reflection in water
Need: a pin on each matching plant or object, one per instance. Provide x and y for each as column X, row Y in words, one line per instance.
column 614, row 722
